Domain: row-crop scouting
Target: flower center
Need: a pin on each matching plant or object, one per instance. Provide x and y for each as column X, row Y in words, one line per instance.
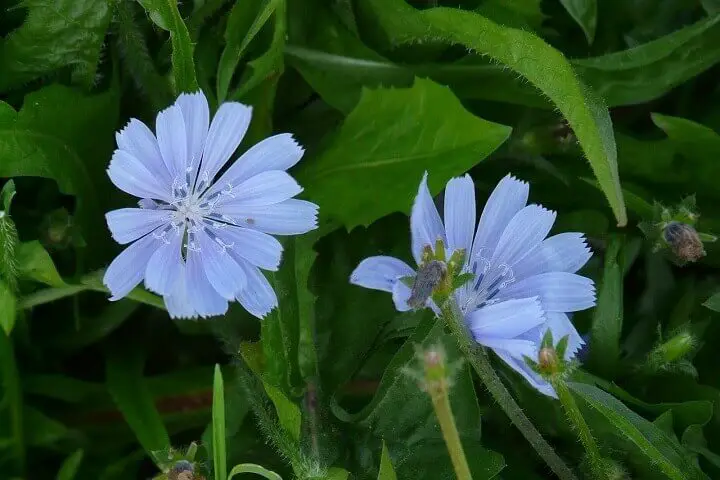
column 489, row 280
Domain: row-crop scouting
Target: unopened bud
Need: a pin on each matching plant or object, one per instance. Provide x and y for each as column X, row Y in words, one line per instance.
column 435, row 374
column 548, row 361
column 684, row 241
column 677, row 347
column 182, row 470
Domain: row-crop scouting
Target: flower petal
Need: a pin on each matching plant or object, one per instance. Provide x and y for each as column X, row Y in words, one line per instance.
column 266, row 188
column 127, row 269
column 565, row 252
column 165, row 266
column 129, row 175
column 227, row 130
column 221, row 269
column 425, row 223
column 278, row 152
column 510, row 195
column 195, row 111
column 400, row 295
column 519, row 365
column 380, row 273
column 558, row 291
column 258, row 296
column 506, row 319
column 179, row 302
column 526, row 230
column 205, row 300
column 460, row 213
column 129, row 224
column 139, row 141
column 173, row 142
column 258, row 248
column 291, row 217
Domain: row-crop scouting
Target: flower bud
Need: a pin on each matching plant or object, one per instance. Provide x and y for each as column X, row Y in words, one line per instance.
column 548, row 361
column 677, row 347
column 684, row 241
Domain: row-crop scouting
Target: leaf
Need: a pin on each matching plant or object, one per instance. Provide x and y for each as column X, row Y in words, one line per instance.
column 238, row 35
column 218, row 426
column 34, row 263
column 8, row 308
column 56, row 34
column 527, row 55
column 650, row 70
column 6, row 195
column 608, row 315
column 656, row 447
column 165, row 14
column 13, row 412
column 713, row 303
column 375, row 161
column 584, row 12
column 126, row 384
column 69, row 468
column 253, row 468
column 41, row 430
column 400, row 411
column 387, row 471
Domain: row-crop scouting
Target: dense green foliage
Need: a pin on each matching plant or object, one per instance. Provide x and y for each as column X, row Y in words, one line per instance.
column 609, row 109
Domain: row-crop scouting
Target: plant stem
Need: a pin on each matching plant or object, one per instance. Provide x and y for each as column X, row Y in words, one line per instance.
column 586, row 438
column 441, row 403
column 480, row 362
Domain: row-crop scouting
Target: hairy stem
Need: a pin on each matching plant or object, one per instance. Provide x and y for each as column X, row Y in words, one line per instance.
column 480, row 362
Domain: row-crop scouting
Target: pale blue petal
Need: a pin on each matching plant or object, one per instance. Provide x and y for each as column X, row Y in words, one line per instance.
column 196, row 113
column 258, row 248
column 291, row 217
column 460, row 214
column 165, row 266
column 129, row 224
column 425, row 224
column 558, row 291
column 129, row 175
column 401, row 295
column 560, row 326
column 527, row 229
column 513, row 346
column 380, row 273
column 278, row 152
column 205, row 300
column 139, row 141
column 266, row 188
column 510, row 195
column 535, row 380
column 179, row 303
column 221, row 269
column 565, row 252
column 258, row 297
column 506, row 319
column 227, row 130
column 172, row 139
column 128, row 268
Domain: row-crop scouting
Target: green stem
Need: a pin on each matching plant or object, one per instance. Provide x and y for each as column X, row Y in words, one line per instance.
column 441, row 403
column 586, row 438
column 480, row 362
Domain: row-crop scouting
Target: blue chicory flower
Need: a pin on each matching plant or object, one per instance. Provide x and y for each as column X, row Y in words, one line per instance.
column 522, row 283
column 200, row 237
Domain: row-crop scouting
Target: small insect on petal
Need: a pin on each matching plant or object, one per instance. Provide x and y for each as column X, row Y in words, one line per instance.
column 428, row 277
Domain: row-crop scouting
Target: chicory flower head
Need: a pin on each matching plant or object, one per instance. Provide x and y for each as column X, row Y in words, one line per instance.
column 199, row 236
column 520, row 283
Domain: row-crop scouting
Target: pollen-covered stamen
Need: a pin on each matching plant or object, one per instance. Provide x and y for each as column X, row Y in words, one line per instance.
column 162, row 236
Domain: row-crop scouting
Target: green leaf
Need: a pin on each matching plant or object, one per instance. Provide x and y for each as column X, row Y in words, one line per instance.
column 713, row 303
column 218, row 427
column 6, row 195
column 34, row 263
column 165, row 14
column 584, row 12
column 375, row 161
column 527, row 55
column 127, row 386
column 608, row 315
column 240, row 31
column 657, row 448
column 387, row 471
column 650, row 70
column 71, row 465
column 13, row 414
column 55, row 35
column 253, row 468
column 8, row 308
column 41, row 430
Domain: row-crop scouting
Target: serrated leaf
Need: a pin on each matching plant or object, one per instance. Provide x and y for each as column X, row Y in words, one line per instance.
column 375, row 161
column 56, row 34
column 127, row 386
column 527, row 55
column 584, row 12
column 657, row 449
column 165, row 14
